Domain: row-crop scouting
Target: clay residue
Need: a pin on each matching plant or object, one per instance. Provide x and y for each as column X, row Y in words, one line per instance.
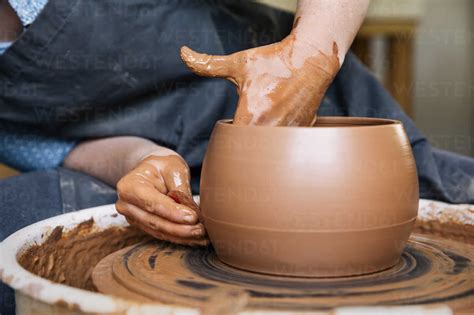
column 185, row 199
column 69, row 257
column 450, row 221
column 432, row 271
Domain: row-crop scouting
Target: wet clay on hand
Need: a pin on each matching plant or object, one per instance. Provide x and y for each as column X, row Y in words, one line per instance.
column 279, row 85
column 156, row 197
column 184, row 199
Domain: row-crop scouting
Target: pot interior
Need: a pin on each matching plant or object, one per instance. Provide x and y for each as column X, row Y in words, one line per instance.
column 335, row 121
column 323, row 123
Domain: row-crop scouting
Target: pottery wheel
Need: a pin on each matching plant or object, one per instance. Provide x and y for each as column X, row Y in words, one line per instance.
column 431, row 271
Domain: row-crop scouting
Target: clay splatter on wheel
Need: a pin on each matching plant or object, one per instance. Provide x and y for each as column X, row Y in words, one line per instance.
column 431, row 271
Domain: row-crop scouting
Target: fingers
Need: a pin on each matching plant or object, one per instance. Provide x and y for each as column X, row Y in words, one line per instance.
column 172, row 239
column 167, row 237
column 209, row 66
column 184, row 199
column 159, row 224
column 178, row 178
column 145, row 196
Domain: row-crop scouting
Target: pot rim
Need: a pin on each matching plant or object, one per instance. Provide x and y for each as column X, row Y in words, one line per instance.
column 348, row 122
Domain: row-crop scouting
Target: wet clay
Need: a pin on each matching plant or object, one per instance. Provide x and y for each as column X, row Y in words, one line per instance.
column 184, row 199
column 450, row 221
column 279, row 85
column 157, row 192
column 431, row 271
column 273, row 201
column 69, row 257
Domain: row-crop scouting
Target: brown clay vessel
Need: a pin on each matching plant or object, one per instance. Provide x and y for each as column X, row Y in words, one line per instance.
column 336, row 199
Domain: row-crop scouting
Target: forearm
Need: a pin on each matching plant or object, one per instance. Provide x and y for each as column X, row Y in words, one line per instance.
column 320, row 23
column 109, row 159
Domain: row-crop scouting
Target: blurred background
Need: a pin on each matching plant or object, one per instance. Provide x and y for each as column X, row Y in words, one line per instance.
column 423, row 51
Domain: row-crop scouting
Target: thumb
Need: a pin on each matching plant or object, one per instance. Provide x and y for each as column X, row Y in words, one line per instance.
column 207, row 65
column 184, row 199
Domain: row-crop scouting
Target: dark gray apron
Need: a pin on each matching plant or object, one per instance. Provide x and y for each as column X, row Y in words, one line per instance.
column 87, row 69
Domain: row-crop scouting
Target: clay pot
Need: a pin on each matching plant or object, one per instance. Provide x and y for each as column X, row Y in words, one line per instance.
column 337, row 199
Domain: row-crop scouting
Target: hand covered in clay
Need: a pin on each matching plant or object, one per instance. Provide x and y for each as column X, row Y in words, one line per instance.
column 156, row 197
column 279, row 85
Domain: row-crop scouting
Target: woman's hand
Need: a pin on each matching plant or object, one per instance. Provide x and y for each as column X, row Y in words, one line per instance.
column 152, row 184
column 278, row 85
column 156, row 197
column 283, row 84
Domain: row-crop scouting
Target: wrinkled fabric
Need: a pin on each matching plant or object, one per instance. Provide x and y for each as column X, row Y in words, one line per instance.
column 27, row 148
column 87, row 69
column 44, row 194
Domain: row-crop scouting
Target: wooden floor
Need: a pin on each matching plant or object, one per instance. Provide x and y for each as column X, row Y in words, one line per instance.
column 6, row 171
